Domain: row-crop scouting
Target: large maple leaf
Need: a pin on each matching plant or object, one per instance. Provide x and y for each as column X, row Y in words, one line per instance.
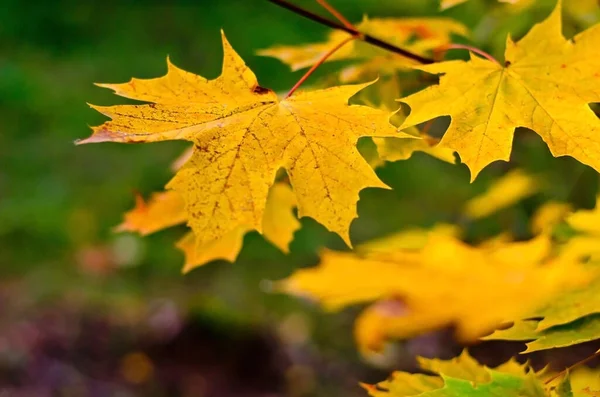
column 546, row 85
column 243, row 134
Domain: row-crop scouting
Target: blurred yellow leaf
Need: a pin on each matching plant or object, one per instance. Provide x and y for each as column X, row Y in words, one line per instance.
column 506, row 191
column 410, row 239
column 445, row 282
column 445, row 4
column 587, row 221
column 548, row 216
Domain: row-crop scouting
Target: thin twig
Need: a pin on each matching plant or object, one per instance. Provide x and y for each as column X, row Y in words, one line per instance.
column 338, row 15
column 577, row 364
column 362, row 36
column 319, row 63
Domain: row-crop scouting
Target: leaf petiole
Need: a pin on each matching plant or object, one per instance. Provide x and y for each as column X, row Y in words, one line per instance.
column 472, row 49
column 319, row 63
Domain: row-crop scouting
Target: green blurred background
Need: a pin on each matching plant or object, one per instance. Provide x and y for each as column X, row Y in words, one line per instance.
column 87, row 312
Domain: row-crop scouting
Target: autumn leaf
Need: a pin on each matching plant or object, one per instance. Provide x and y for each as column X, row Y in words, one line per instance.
column 464, row 376
column 579, row 331
column 548, row 216
column 418, row 35
column 243, row 134
column 166, row 209
column 587, row 380
column 572, row 316
column 445, row 4
column 459, row 377
column 545, row 84
column 586, row 221
column 394, row 149
column 382, row 96
column 409, row 239
column 506, row 191
column 481, row 287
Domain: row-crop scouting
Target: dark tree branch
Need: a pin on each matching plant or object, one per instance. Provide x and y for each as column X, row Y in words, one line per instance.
column 362, row 36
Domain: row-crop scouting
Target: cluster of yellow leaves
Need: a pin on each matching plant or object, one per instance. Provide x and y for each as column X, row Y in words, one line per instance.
column 242, row 135
column 464, row 376
column 545, row 84
column 369, row 62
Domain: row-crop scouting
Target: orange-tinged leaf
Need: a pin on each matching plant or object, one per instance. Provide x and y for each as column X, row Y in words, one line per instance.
column 506, row 191
column 480, row 287
column 545, row 84
column 418, row 35
column 163, row 210
column 243, row 134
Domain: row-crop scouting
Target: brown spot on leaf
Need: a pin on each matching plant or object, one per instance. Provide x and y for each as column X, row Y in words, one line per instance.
column 260, row 90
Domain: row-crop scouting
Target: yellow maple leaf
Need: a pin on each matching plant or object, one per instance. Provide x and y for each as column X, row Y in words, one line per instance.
column 505, row 191
column 545, row 85
column 446, row 282
column 243, row 134
column 166, row 209
column 393, row 149
column 418, row 35
column 445, row 4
